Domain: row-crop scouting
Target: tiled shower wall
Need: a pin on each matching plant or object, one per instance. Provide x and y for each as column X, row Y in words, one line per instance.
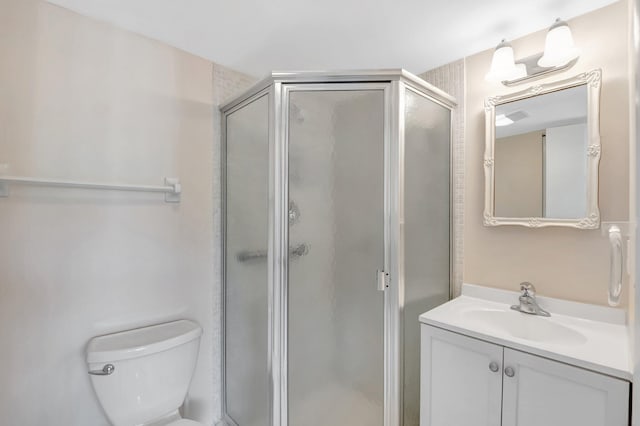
column 227, row 83
column 451, row 79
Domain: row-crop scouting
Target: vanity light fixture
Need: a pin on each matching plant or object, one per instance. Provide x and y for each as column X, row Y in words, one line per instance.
column 503, row 64
column 559, row 54
column 559, row 48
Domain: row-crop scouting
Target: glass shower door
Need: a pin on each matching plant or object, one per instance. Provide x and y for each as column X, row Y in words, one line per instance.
column 336, row 239
column 246, row 288
column 427, row 136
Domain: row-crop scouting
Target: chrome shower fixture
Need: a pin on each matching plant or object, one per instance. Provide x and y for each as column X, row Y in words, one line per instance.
column 294, row 213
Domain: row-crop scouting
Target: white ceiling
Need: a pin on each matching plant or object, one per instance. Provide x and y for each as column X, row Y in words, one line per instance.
column 560, row 108
column 258, row 36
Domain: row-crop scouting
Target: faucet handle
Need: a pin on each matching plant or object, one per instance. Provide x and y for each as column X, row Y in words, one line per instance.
column 527, row 289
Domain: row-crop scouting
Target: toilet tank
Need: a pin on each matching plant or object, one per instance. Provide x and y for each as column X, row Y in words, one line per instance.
column 152, row 371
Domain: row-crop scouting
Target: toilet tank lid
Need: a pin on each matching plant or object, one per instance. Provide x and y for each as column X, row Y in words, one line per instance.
column 141, row 341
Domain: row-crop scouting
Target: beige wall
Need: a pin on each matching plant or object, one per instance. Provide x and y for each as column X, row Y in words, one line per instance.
column 518, row 175
column 86, row 101
column 566, row 263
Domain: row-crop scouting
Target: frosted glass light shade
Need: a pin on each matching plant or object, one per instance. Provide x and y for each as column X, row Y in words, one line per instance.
column 503, row 66
column 559, row 48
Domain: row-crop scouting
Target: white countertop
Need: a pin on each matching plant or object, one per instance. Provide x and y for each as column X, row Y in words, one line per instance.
column 591, row 337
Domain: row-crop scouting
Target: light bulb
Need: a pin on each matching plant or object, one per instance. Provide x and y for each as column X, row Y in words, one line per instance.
column 503, row 66
column 559, row 48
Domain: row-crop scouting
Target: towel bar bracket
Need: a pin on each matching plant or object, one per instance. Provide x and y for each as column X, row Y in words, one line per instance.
column 173, row 197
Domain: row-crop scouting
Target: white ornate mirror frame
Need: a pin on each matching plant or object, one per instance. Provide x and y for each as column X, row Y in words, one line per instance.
column 592, row 80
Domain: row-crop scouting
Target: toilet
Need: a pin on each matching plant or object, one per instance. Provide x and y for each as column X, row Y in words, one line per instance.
column 141, row 377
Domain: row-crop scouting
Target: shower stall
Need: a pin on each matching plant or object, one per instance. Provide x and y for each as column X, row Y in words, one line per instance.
column 337, row 235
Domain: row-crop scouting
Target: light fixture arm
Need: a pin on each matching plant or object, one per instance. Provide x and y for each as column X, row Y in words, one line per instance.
column 535, row 71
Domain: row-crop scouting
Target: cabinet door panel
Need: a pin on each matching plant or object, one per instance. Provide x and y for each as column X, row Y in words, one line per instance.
column 550, row 393
column 457, row 386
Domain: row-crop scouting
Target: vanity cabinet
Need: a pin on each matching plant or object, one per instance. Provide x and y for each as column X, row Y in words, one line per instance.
column 470, row 382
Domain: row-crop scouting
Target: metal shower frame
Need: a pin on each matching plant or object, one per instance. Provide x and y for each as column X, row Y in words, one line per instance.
column 277, row 87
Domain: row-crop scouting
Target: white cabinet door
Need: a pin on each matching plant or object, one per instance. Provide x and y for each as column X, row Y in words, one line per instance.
column 457, row 385
column 550, row 393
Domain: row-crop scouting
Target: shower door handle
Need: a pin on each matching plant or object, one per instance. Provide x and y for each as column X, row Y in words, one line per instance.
column 383, row 280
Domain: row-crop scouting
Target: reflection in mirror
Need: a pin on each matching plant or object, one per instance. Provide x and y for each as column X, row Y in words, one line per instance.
column 540, row 156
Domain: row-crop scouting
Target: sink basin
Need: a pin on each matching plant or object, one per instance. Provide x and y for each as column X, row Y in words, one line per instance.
column 527, row 327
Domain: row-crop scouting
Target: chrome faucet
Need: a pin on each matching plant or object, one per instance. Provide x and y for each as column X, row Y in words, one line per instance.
column 528, row 303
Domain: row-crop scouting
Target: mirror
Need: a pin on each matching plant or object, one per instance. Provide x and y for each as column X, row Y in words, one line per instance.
column 542, row 152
